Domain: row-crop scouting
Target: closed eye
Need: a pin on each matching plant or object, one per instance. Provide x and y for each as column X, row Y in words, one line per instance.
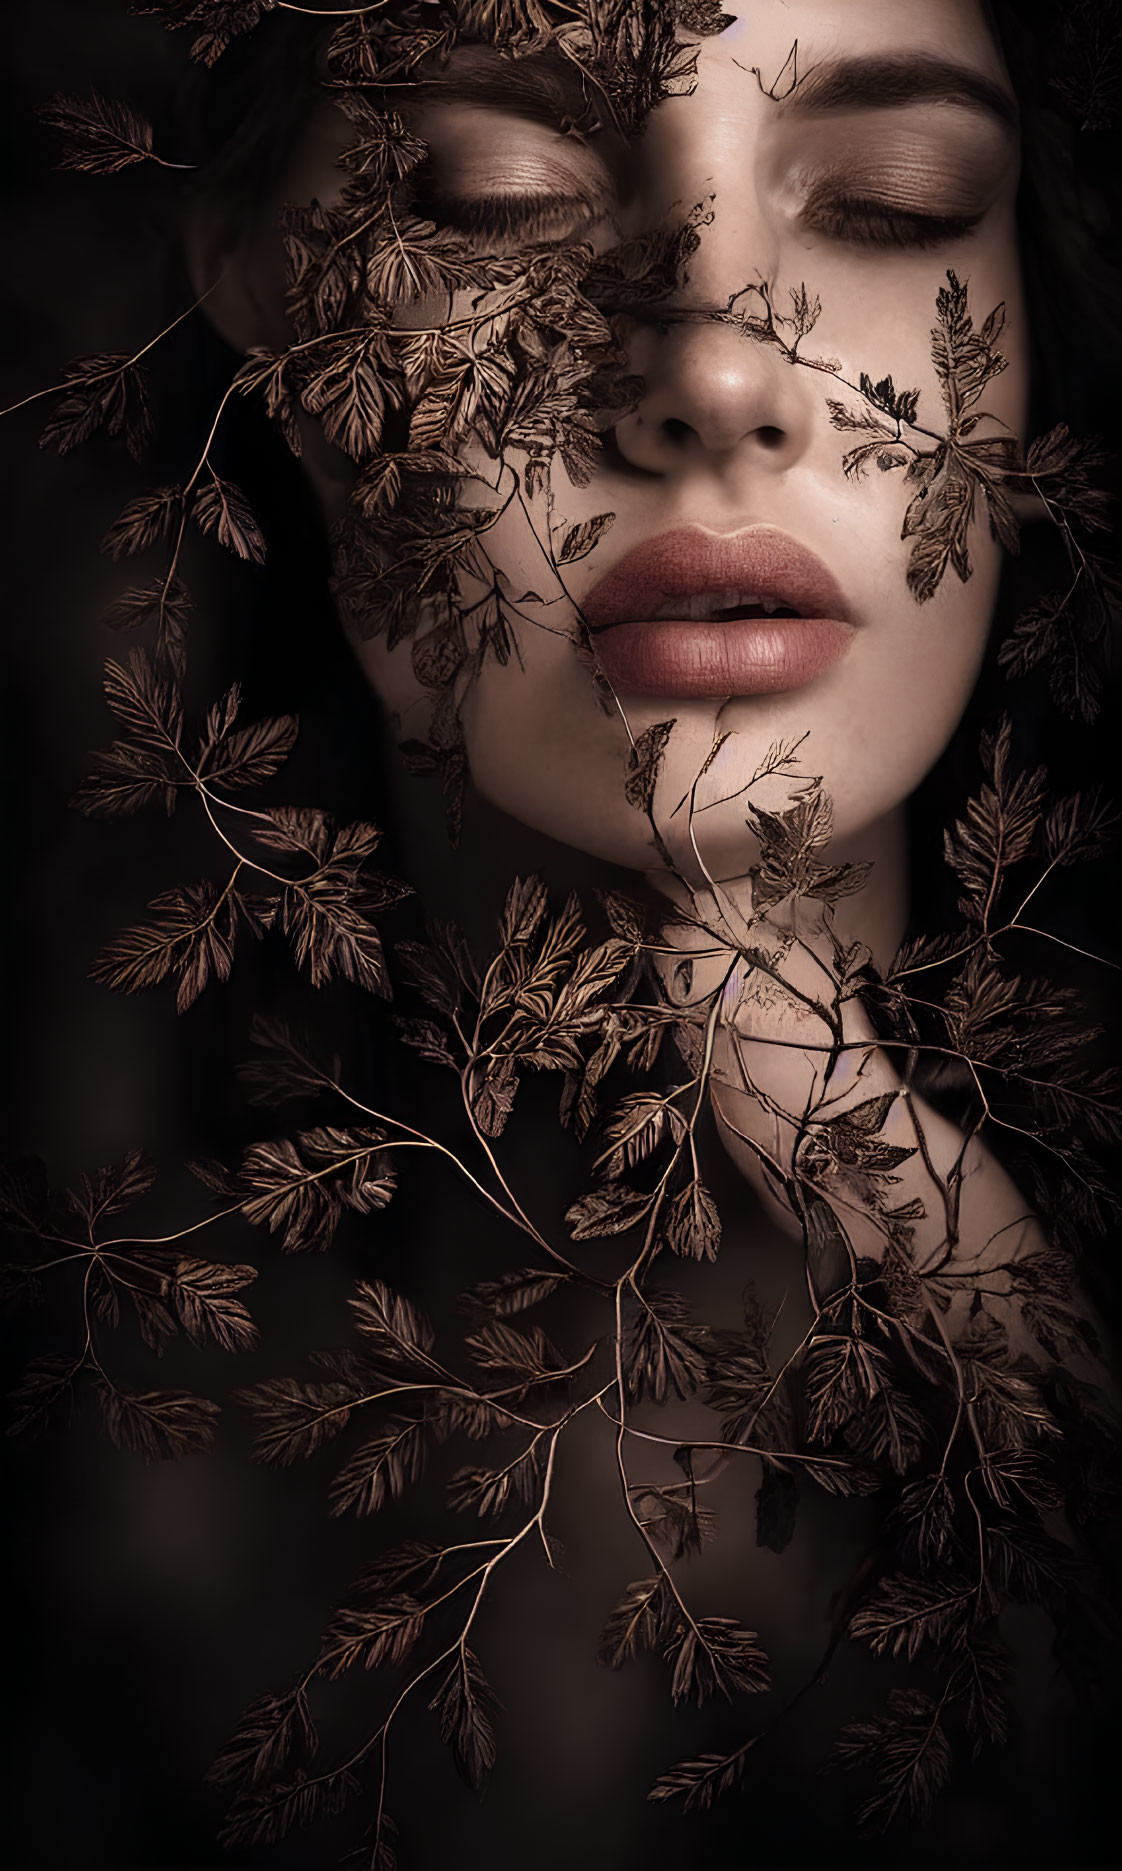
column 509, row 217
column 870, row 223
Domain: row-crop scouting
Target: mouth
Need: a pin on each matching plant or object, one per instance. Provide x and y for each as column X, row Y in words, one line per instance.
column 695, row 614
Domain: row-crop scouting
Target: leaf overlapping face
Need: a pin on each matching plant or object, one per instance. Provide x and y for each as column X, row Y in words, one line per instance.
column 520, row 368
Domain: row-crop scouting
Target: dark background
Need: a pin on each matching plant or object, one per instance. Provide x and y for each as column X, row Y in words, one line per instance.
column 147, row 1605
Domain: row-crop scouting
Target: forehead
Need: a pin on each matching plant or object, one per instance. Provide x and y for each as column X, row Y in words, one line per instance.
column 833, row 28
column 809, row 57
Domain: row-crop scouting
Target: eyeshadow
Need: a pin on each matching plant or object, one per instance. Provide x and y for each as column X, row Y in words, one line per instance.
column 477, row 153
column 936, row 167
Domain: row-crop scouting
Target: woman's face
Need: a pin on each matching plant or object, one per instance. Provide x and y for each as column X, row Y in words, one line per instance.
column 878, row 173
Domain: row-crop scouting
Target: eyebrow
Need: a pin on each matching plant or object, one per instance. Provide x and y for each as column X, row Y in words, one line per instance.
column 547, row 89
column 542, row 88
column 880, row 82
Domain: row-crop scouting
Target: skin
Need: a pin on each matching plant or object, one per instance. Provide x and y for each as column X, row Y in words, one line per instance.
column 730, row 435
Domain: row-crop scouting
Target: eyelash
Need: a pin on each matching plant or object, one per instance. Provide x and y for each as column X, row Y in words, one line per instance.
column 544, row 217
column 871, row 224
column 524, row 217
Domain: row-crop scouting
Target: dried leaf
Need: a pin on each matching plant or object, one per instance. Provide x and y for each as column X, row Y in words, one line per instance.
column 382, row 1468
column 98, row 134
column 221, row 508
column 158, row 1424
column 271, row 1731
column 465, row 1703
column 583, row 538
column 644, row 763
column 300, row 1187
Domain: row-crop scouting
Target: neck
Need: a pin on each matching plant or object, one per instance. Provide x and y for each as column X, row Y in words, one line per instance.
column 876, row 914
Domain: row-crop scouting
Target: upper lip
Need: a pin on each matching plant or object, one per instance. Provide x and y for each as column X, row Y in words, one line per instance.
column 690, row 562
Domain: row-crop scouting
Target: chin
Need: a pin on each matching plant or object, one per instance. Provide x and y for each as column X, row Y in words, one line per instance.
column 561, row 769
column 573, row 790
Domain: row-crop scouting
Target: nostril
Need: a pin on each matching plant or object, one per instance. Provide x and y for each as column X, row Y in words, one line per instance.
column 769, row 437
column 676, row 431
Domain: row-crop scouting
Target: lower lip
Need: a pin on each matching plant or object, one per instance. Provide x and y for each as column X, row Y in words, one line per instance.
column 693, row 660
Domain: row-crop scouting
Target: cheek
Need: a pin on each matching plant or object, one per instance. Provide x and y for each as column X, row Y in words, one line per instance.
column 542, row 749
column 872, row 728
column 901, row 698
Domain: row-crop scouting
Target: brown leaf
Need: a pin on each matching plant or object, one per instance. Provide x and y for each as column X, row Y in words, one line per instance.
column 221, row 508
column 906, row 1751
column 99, row 135
column 347, row 395
column 284, row 1065
column 382, row 1468
column 583, row 538
column 103, row 391
column 45, row 1384
column 300, row 1187
column 144, row 521
column 511, row 1292
column 158, row 1424
column 999, row 825
column 644, row 762
column 661, row 1349
column 636, row 1623
column 525, row 1354
column 492, row 1098
column 465, row 1703
column 203, row 1292
column 373, row 1635
column 192, row 937
column 295, row 1419
column 693, row 1225
column 611, row 1210
column 400, row 1334
column 272, row 1729
column 249, row 756
column 715, row 1656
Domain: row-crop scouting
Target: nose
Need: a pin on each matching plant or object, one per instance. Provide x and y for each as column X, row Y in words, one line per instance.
column 716, row 399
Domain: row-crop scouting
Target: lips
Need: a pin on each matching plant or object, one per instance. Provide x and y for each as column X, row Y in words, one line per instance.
column 646, row 650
